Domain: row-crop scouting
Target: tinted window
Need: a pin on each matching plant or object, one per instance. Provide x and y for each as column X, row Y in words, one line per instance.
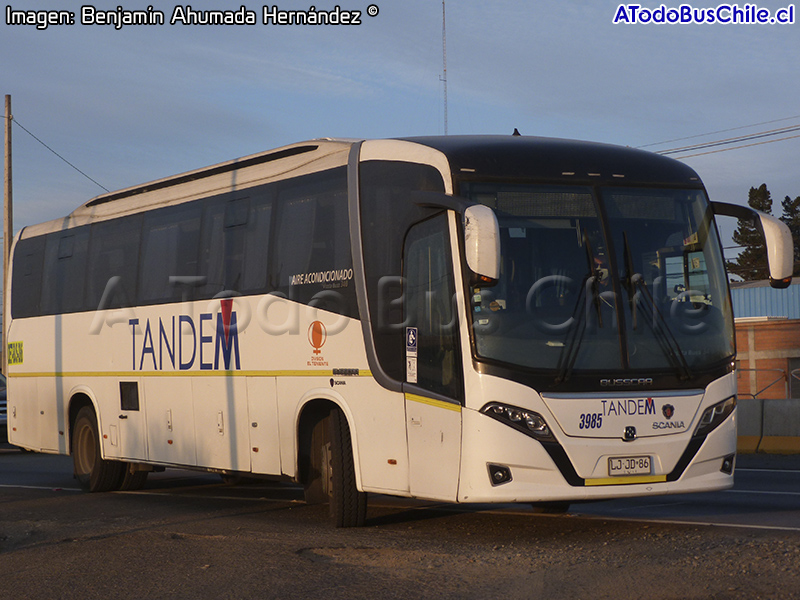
column 196, row 250
column 256, row 243
column 234, row 232
column 26, row 281
column 212, row 249
column 430, row 307
column 313, row 263
column 235, row 247
column 113, row 262
column 169, row 249
column 386, row 214
column 64, row 281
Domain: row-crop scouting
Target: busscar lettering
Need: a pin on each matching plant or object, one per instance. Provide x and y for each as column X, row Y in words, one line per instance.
column 153, row 345
column 641, row 381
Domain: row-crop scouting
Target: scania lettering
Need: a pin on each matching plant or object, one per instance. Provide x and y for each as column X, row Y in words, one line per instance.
column 461, row 319
column 669, row 425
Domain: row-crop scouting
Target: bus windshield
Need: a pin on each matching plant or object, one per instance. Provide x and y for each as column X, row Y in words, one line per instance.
column 603, row 279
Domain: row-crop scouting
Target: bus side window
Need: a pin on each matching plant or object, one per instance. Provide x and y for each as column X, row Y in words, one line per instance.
column 386, row 215
column 212, row 258
column 256, row 262
column 237, row 212
column 430, row 306
column 113, row 253
column 26, row 285
column 170, row 240
column 312, row 262
column 65, row 271
column 229, row 224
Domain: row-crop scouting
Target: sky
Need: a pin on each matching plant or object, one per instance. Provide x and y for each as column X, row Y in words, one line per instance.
column 135, row 104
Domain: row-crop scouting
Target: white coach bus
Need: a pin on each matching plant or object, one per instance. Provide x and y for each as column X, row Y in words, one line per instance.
column 462, row 319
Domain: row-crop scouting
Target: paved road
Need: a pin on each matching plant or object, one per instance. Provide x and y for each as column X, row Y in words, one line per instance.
column 766, row 496
column 187, row 535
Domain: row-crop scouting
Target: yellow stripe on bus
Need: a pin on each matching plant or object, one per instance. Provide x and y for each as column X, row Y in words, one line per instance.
column 431, row 402
column 631, row 480
column 133, row 374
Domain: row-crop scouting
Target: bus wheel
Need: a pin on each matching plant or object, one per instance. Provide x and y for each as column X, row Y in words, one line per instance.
column 132, row 480
column 348, row 506
column 92, row 472
column 550, row 508
column 315, row 466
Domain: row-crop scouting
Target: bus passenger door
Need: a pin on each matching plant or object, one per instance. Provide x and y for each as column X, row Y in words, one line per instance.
column 433, row 368
column 127, row 424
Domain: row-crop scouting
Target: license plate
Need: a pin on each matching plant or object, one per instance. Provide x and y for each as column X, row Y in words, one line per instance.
column 629, row 465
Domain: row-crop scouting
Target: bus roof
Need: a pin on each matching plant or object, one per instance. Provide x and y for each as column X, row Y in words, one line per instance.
column 551, row 159
column 229, row 176
column 475, row 157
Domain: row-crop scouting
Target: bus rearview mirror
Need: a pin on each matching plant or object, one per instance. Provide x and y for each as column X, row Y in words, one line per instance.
column 777, row 236
column 482, row 241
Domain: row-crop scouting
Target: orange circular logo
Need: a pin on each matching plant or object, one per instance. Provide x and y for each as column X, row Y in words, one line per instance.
column 317, row 335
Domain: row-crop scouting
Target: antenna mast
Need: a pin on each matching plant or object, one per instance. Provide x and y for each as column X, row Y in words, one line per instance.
column 444, row 63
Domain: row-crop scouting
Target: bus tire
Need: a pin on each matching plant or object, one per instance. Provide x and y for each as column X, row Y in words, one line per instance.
column 94, row 474
column 316, row 464
column 348, row 506
column 131, row 480
column 550, row 508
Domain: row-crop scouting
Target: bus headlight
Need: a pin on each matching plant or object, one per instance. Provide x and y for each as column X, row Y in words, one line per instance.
column 714, row 416
column 528, row 422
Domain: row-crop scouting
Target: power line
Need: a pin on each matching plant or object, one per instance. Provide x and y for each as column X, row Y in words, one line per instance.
column 16, row 122
column 734, row 140
column 791, row 137
column 699, row 135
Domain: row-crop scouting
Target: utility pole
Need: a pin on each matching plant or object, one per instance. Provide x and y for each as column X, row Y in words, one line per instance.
column 8, row 233
column 444, row 63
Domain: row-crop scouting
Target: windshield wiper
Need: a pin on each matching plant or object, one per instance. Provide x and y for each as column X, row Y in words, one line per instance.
column 628, row 283
column 593, row 277
column 572, row 344
column 653, row 316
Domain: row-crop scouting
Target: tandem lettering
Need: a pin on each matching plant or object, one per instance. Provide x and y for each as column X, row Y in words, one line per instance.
column 641, row 406
column 178, row 343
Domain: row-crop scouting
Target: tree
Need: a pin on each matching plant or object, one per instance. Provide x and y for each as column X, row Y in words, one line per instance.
column 791, row 216
column 751, row 264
